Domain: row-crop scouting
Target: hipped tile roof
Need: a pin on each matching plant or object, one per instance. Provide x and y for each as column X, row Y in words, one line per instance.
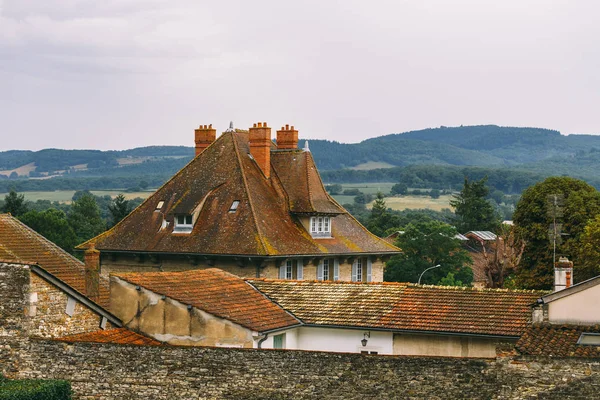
column 264, row 223
column 218, row 293
column 115, row 336
column 403, row 307
column 20, row 243
column 557, row 341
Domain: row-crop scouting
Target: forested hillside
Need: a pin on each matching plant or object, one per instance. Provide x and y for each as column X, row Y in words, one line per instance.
column 438, row 157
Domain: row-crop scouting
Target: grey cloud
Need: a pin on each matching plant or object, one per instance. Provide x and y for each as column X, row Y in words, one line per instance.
column 123, row 73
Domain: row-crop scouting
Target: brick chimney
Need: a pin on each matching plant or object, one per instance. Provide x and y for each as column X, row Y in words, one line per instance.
column 287, row 138
column 260, row 146
column 563, row 273
column 204, row 136
column 91, row 259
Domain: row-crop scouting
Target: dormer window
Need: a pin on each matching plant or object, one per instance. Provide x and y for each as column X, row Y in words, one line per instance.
column 589, row 339
column 183, row 223
column 320, row 226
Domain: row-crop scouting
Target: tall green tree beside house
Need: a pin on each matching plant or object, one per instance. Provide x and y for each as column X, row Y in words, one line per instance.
column 14, row 204
column 534, row 216
column 589, row 249
column 381, row 219
column 53, row 225
column 426, row 244
column 473, row 211
column 84, row 217
column 119, row 208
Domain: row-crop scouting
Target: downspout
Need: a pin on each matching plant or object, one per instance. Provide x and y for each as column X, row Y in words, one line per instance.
column 260, row 341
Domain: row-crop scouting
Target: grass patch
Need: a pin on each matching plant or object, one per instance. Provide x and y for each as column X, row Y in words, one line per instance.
column 417, row 202
column 372, row 165
column 65, row 196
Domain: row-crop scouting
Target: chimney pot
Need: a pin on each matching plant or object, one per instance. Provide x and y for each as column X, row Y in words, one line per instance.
column 259, row 138
column 563, row 272
column 203, row 137
column 287, row 138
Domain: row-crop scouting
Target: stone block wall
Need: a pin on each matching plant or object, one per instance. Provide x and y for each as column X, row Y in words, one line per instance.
column 47, row 309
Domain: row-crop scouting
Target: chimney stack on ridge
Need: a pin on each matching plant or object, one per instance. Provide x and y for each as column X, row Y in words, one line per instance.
column 204, row 136
column 287, row 138
column 563, row 272
column 260, row 146
column 91, row 258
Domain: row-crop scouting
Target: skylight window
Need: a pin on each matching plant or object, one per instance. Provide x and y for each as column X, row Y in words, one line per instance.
column 160, row 205
column 589, row 339
column 234, row 206
column 183, row 223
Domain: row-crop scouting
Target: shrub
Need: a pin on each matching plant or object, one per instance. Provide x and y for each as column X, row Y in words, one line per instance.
column 34, row 389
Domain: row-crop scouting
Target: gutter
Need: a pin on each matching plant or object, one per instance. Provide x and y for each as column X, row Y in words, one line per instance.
column 252, row 256
column 443, row 333
column 76, row 295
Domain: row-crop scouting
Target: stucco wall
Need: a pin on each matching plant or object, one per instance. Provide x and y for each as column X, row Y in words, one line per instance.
column 172, row 322
column 446, row 346
column 577, row 308
column 343, row 340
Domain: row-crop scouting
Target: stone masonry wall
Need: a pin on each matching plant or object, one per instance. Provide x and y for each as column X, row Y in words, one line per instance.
column 170, row 372
column 47, row 308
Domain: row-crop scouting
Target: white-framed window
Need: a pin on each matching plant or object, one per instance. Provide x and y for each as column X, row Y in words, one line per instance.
column 326, row 270
column 279, row 341
column 183, row 223
column 362, row 270
column 292, row 269
column 359, row 270
column 320, row 226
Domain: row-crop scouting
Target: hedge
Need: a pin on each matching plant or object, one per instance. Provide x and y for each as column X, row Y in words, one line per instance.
column 34, row 389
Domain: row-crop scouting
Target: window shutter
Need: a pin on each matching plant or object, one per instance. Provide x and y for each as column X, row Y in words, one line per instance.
column 336, row 269
column 300, row 274
column 369, row 269
column 282, row 271
column 354, row 271
column 320, row 271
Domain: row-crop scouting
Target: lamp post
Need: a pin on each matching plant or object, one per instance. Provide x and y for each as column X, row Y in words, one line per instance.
column 427, row 269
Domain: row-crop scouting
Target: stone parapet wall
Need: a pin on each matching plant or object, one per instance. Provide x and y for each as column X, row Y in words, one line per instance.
column 173, row 372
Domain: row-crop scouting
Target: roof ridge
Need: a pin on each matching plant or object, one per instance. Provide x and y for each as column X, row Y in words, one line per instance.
column 306, row 154
column 57, row 250
column 247, row 189
column 276, row 280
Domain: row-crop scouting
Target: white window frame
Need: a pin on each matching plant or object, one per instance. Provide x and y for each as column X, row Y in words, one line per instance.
column 234, row 206
column 320, row 226
column 186, row 226
column 326, row 269
column 289, row 270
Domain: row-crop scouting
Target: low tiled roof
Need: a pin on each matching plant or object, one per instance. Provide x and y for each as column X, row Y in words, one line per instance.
column 408, row 307
column 264, row 222
column 218, row 293
column 557, row 341
column 115, row 336
column 20, row 243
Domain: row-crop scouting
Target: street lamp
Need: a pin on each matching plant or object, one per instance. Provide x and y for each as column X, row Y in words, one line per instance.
column 427, row 269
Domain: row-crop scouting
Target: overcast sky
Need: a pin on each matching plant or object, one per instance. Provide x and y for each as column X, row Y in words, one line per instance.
column 115, row 74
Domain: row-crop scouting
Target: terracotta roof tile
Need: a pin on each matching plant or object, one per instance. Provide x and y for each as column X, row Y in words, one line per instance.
column 557, row 341
column 218, row 293
column 20, row 243
column 263, row 225
column 403, row 306
column 115, row 336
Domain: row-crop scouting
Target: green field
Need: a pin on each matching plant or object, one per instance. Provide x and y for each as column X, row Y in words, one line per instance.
column 412, row 202
column 65, row 196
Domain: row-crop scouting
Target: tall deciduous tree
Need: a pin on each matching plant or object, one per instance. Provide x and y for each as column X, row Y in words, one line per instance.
column 84, row 217
column 119, row 209
column 53, row 225
column 14, row 204
column 534, row 218
column 589, row 249
column 425, row 244
column 503, row 257
column 473, row 211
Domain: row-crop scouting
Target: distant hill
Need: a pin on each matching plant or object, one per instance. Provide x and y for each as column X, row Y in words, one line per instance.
column 539, row 151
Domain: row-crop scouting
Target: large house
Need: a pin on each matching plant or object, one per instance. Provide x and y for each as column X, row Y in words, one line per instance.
column 248, row 206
